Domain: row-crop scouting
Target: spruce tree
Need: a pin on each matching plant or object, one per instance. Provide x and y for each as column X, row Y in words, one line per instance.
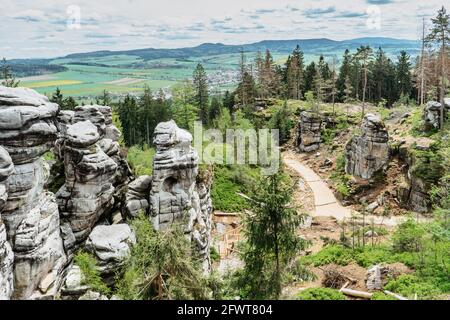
column 271, row 239
column 403, row 75
column 7, row 76
column 200, row 81
column 440, row 36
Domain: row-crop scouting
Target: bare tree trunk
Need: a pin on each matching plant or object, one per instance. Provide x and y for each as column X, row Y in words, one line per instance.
column 422, row 67
column 364, row 92
column 441, row 122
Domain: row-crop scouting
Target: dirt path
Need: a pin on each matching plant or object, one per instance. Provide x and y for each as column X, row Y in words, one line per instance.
column 326, row 204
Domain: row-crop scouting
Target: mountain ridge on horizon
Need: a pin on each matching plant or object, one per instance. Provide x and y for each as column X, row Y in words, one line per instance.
column 210, row 48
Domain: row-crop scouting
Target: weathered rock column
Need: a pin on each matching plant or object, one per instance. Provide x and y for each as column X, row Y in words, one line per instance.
column 368, row 153
column 175, row 195
column 432, row 114
column 6, row 253
column 309, row 132
column 28, row 130
column 88, row 191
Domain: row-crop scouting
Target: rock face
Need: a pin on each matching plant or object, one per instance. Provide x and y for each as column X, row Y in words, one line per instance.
column 88, row 191
column 175, row 169
column 6, row 253
column 413, row 192
column 309, row 132
column 175, row 195
column 110, row 245
column 432, row 114
column 137, row 197
column 28, row 130
column 368, row 153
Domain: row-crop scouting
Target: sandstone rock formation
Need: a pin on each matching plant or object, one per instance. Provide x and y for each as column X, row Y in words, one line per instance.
column 432, row 113
column 137, row 197
column 88, row 191
column 110, row 245
column 27, row 131
column 413, row 191
column 368, row 153
column 6, row 253
column 309, row 132
column 175, row 195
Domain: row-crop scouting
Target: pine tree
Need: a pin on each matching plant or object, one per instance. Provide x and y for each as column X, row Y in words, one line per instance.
column 319, row 89
column 271, row 237
column 7, row 76
column 344, row 74
column 440, row 36
column 184, row 112
column 106, row 98
column 214, row 109
column 403, row 74
column 310, row 73
column 324, row 69
column 364, row 54
column 200, row 81
column 228, row 101
column 57, row 97
column 295, row 74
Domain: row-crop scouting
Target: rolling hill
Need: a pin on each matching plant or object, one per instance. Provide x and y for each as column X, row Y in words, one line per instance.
column 86, row 75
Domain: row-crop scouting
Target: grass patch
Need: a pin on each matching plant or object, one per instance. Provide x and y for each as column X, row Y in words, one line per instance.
column 141, row 160
column 91, row 275
column 320, row 294
column 228, row 181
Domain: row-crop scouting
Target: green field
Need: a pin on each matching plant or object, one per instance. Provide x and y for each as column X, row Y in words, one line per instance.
column 86, row 78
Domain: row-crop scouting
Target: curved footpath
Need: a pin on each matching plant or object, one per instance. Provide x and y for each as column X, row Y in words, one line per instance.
column 326, row 204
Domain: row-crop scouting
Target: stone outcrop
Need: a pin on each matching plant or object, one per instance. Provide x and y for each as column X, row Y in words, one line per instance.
column 432, row 114
column 88, row 191
column 137, row 197
column 309, row 132
column 27, row 131
column 175, row 169
column 6, row 253
column 413, row 191
column 368, row 153
column 175, row 194
column 110, row 245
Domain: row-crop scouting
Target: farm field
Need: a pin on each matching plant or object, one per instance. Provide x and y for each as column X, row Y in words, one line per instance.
column 87, row 75
column 87, row 78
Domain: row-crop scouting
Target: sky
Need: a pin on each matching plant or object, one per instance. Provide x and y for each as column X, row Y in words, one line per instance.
column 50, row 28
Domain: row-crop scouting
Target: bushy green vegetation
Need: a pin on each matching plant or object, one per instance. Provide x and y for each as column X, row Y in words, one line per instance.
column 410, row 285
column 320, row 294
column 340, row 179
column 91, row 275
column 425, row 248
column 161, row 266
column 271, row 241
column 228, row 182
column 141, row 160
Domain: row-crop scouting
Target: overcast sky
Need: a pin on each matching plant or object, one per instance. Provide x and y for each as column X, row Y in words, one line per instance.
column 45, row 28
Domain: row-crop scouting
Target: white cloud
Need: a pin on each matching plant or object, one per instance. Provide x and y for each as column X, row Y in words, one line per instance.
column 131, row 24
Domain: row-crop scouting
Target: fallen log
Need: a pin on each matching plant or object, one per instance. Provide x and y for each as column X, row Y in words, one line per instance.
column 355, row 293
column 397, row 296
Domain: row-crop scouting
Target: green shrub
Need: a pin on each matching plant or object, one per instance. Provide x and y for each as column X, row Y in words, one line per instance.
column 214, row 254
column 161, row 266
column 91, row 275
column 409, row 285
column 300, row 272
column 228, row 182
column 141, row 160
column 320, row 294
column 330, row 254
column 408, row 237
column 382, row 296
